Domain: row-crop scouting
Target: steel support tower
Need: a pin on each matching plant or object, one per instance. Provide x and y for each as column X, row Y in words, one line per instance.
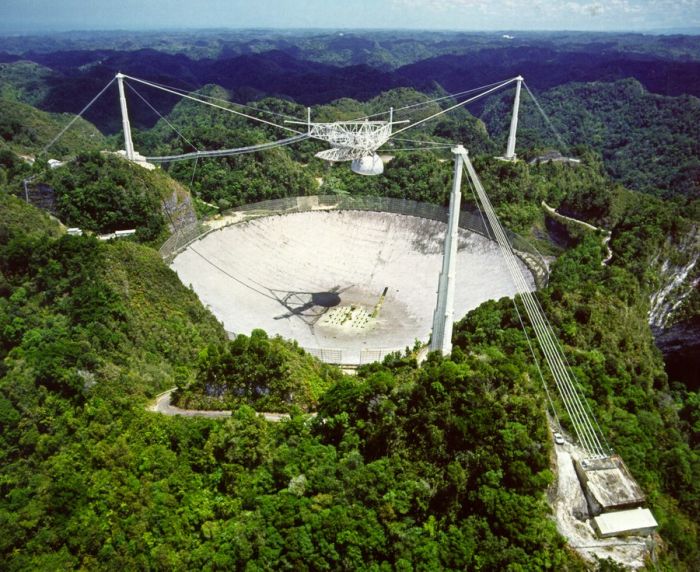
column 443, row 317
column 510, row 149
column 128, row 143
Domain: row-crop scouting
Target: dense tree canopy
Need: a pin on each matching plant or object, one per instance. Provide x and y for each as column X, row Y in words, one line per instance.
column 442, row 466
column 104, row 193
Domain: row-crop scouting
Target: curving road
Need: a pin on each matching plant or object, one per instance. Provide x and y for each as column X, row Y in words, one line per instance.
column 606, row 233
column 163, row 406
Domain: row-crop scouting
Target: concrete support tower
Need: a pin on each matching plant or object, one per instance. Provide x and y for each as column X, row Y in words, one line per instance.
column 444, row 310
column 510, row 150
column 128, row 143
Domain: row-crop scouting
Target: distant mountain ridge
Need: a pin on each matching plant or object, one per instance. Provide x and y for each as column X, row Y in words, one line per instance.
column 319, row 68
column 314, row 69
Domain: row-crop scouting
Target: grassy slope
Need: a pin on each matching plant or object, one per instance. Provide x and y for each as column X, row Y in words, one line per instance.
column 18, row 217
column 165, row 319
column 26, row 130
column 24, row 81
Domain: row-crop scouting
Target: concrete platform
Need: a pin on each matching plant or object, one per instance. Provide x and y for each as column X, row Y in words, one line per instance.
column 347, row 285
column 635, row 522
column 608, row 485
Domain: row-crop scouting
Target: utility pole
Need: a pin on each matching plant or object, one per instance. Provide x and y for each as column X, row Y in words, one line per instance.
column 510, row 150
column 128, row 143
column 443, row 318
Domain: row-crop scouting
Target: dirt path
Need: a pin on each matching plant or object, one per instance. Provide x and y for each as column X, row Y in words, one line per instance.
column 163, row 406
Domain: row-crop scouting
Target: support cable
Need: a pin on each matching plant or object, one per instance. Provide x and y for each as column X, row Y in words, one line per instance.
column 132, row 88
column 422, row 141
column 568, row 365
column 186, row 96
column 581, row 419
column 487, row 231
column 564, row 146
column 448, row 96
column 228, row 152
column 537, row 364
column 94, row 99
column 213, row 98
column 572, row 402
column 231, row 276
column 194, row 170
column 455, row 106
column 436, row 148
column 428, row 102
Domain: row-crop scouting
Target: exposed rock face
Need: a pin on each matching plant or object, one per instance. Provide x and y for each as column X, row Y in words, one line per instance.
column 677, row 282
column 677, row 334
column 178, row 210
column 41, row 196
column 680, row 345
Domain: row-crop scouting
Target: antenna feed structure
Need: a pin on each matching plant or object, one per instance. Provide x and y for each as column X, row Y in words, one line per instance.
column 355, row 141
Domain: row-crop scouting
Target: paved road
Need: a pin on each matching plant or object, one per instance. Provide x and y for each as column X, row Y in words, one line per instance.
column 162, row 405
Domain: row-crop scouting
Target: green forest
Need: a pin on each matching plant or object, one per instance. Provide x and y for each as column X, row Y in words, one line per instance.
column 443, row 465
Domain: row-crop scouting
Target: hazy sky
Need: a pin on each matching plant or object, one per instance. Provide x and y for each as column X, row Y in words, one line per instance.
column 61, row 15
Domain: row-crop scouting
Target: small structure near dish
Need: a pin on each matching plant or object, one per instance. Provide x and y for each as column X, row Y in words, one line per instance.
column 117, row 234
column 608, row 485
column 635, row 522
column 55, row 163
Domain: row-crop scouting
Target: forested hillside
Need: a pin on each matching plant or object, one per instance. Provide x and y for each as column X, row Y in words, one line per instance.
column 446, row 465
column 103, row 193
column 26, row 130
column 24, row 81
column 648, row 142
column 440, row 466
